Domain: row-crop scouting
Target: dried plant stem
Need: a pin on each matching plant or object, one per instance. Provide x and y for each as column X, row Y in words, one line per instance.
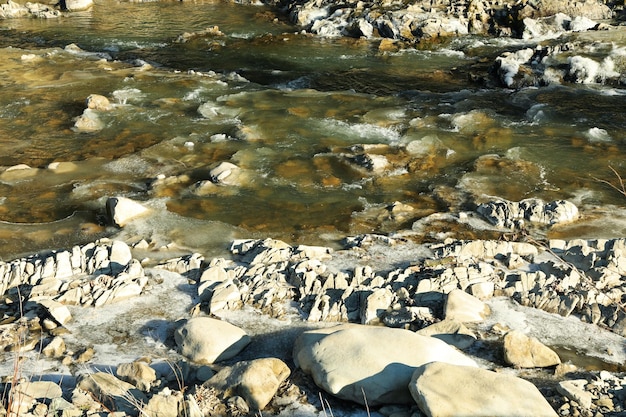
column 620, row 188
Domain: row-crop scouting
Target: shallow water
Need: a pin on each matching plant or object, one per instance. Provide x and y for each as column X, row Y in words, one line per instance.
column 288, row 109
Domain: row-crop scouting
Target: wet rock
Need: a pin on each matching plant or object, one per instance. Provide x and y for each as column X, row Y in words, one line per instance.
column 255, row 381
column 380, row 362
column 226, row 173
column 75, row 5
column 88, row 122
column 97, row 101
column 510, row 214
column 527, row 352
column 461, row 306
column 207, row 340
column 443, row 389
column 122, row 210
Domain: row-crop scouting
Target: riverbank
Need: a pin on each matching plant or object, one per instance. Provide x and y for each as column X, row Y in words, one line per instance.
column 110, row 319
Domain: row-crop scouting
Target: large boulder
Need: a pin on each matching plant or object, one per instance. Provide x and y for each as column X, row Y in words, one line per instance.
column 369, row 364
column 207, row 340
column 446, row 390
column 255, row 381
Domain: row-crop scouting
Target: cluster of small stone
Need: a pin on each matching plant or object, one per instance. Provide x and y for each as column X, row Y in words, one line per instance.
column 423, row 20
column 597, row 394
column 583, row 278
column 37, row 289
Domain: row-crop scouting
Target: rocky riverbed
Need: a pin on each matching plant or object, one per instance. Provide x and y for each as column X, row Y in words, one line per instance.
column 414, row 322
column 384, row 324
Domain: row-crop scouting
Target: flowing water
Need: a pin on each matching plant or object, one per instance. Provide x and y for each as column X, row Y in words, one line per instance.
column 287, row 108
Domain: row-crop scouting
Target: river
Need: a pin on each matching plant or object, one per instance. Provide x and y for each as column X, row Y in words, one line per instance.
column 289, row 109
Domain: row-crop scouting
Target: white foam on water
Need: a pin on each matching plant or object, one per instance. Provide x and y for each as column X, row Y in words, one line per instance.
column 598, row 135
column 363, row 131
column 126, row 95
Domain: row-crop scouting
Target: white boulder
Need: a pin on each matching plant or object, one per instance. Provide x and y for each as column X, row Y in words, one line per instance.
column 369, row 364
column 207, row 340
column 122, row 210
column 446, row 390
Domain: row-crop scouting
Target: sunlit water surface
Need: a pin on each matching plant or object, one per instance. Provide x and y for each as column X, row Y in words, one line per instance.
column 287, row 108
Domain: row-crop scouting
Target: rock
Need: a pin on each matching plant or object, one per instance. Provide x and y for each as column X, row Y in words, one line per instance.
column 122, row 210
column 164, row 404
column 527, row 352
column 138, row 373
column 255, row 381
column 375, row 305
column 442, row 390
column 510, row 214
column 575, row 391
column 207, row 340
column 450, row 331
column 60, row 313
column 96, row 101
column 225, row 173
column 350, row 360
column 75, row 5
column 38, row 390
column 88, row 122
column 463, row 307
column 114, row 393
column 55, row 348
column 119, row 257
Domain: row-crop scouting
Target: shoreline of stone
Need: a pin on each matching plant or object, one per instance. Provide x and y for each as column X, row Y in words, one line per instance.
column 358, row 285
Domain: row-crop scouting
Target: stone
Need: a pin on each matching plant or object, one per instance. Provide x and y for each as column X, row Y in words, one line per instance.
column 349, row 360
column 463, row 307
column 55, row 348
column 527, row 352
column 114, row 393
column 256, row 381
column 164, row 404
column 75, row 5
column 575, row 391
column 450, row 331
column 60, row 313
column 375, row 305
column 225, row 173
column 88, row 122
column 206, row 340
column 96, row 101
column 138, row 373
column 122, row 210
column 447, row 390
column 119, row 257
column 38, row 390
